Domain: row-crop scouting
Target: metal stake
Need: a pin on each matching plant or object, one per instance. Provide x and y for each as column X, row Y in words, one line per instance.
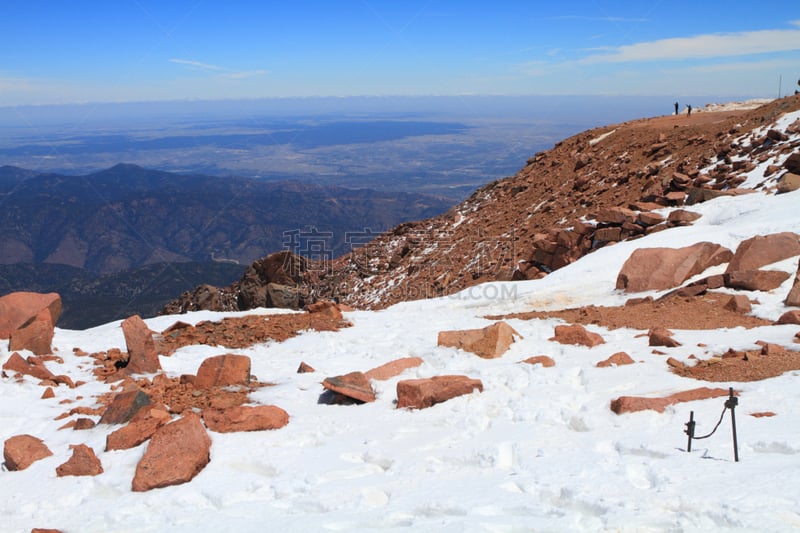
column 690, row 431
column 731, row 404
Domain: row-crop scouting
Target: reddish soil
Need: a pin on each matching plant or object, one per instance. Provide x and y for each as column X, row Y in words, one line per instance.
column 697, row 312
column 743, row 366
column 241, row 332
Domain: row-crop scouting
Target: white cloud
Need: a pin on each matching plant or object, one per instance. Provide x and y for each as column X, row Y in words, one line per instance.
column 223, row 71
column 196, row 64
column 702, row 46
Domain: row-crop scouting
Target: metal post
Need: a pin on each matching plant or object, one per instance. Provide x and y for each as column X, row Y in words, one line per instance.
column 690, row 431
column 731, row 404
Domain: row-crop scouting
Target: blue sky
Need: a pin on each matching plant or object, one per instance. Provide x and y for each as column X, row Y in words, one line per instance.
column 66, row 51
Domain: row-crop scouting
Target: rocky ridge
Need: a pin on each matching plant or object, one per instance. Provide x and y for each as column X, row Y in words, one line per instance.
column 602, row 186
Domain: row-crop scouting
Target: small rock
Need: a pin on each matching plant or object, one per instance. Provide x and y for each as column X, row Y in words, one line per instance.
column 738, row 304
column 124, row 406
column 543, row 360
column 576, row 334
column 142, row 427
column 789, row 317
column 618, row 359
column 48, row 393
column 326, row 309
column 393, row 368
column 305, row 368
column 659, row 336
column 354, row 385
column 82, row 463
column 489, row 342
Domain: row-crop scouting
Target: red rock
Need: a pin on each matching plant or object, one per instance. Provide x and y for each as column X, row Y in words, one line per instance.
column 762, row 414
column 793, row 298
column 124, row 407
column 36, row 335
column 543, row 360
column 82, row 463
column 21, row 451
column 16, row 363
column 325, row 308
column 18, row 308
column 659, row 336
column 762, row 250
column 577, row 334
column 618, row 359
column 648, row 218
column 41, row 530
column 789, row 317
column 83, row 423
column 305, row 368
column 664, row 268
column 788, row 182
column 630, row 404
column 48, row 393
column 489, row 342
column 393, row 368
column 245, row 418
column 223, row 371
column 138, row 430
column 755, row 280
column 354, row 385
column 177, row 452
column 615, row 215
column 681, row 217
column 739, row 304
column 142, row 353
column 422, row 393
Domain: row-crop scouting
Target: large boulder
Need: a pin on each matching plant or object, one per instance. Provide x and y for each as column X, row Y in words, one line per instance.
column 489, row 342
column 762, row 250
column 82, row 463
column 223, row 371
column 35, row 335
column 142, row 353
column 422, row 393
column 664, row 268
column 19, row 308
column 245, row 418
column 177, row 452
column 21, row 451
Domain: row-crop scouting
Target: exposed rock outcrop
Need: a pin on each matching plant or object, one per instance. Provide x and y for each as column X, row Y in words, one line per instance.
column 245, row 418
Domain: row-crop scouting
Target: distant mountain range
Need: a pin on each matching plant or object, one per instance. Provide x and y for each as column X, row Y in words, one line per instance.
column 127, row 217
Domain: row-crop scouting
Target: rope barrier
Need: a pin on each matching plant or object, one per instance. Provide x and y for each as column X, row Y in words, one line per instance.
column 731, row 404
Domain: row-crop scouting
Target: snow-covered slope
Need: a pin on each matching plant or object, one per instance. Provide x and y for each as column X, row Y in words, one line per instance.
column 538, row 449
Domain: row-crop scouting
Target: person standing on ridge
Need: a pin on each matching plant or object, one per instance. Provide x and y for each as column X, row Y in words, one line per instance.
column 688, row 110
column 676, row 108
